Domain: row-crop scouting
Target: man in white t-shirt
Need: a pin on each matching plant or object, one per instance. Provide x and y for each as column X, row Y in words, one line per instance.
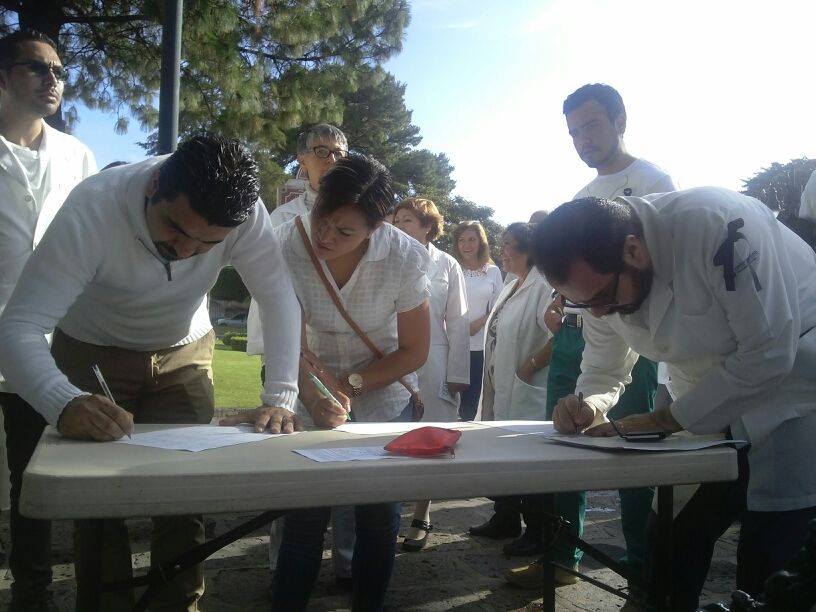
column 596, row 119
column 38, row 167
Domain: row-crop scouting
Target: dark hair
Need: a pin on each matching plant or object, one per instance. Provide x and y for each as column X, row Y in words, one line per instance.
column 360, row 180
column 522, row 233
column 9, row 44
column 218, row 176
column 589, row 229
column 605, row 95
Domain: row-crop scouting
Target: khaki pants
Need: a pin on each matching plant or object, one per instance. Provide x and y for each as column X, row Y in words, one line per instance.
column 167, row 386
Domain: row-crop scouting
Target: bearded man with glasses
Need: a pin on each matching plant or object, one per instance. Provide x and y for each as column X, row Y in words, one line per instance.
column 38, row 168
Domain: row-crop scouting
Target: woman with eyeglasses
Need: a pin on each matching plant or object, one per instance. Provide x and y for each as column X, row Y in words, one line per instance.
column 447, row 372
column 516, row 359
column 380, row 274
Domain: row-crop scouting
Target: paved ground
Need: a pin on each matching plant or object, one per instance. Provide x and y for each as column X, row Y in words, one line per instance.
column 455, row 571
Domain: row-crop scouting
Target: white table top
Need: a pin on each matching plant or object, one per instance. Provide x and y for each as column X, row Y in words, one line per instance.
column 69, row 479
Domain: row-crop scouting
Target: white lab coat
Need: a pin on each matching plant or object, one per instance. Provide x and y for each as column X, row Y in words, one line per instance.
column 23, row 221
column 521, row 332
column 742, row 357
column 449, row 353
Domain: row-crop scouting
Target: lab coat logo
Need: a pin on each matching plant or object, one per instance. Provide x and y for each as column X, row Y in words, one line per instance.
column 627, row 191
column 725, row 257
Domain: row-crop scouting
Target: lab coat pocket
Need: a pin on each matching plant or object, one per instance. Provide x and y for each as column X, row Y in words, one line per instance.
column 527, row 402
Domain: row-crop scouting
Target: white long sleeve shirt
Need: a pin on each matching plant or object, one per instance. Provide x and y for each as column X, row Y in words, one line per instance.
column 743, row 355
column 97, row 275
column 26, row 209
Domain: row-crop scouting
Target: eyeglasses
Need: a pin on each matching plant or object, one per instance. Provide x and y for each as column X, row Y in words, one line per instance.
column 323, row 152
column 606, row 299
column 42, row 69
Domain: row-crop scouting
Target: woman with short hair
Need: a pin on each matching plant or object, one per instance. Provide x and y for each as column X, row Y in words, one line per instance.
column 514, row 387
column 447, row 372
column 379, row 274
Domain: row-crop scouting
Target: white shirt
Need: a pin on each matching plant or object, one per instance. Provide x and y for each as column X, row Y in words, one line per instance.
column 520, row 332
column 301, row 205
column 483, row 288
column 26, row 207
column 96, row 273
column 743, row 357
column 34, row 168
column 391, row 278
column 639, row 178
column 807, row 208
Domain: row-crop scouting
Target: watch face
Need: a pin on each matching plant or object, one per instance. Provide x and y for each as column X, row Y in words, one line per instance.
column 355, row 380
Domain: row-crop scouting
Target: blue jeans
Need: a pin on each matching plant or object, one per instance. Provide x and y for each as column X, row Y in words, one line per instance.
column 301, row 551
column 469, row 403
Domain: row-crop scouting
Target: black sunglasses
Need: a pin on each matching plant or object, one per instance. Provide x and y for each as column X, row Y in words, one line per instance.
column 41, row 69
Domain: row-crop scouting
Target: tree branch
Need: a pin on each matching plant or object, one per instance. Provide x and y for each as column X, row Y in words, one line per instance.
column 107, row 19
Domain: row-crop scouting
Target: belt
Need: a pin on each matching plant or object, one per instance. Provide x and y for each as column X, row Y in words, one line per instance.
column 573, row 320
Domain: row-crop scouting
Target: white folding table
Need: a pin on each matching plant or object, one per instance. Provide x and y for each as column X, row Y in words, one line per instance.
column 69, row 479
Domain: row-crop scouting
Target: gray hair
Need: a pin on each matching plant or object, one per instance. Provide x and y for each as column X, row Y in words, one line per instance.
column 321, row 131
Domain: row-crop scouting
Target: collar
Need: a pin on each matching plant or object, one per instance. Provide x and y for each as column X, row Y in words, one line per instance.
column 659, row 242
column 10, row 163
column 136, row 178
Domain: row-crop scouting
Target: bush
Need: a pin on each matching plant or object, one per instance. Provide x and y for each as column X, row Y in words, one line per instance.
column 238, row 342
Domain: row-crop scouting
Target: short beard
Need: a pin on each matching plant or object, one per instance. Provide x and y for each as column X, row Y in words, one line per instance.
column 166, row 251
column 642, row 285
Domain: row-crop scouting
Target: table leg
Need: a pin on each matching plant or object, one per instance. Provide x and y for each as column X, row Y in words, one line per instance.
column 664, row 548
column 548, row 584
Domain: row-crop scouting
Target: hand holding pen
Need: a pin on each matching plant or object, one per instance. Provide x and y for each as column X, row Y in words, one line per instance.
column 330, row 410
column 94, row 417
column 572, row 414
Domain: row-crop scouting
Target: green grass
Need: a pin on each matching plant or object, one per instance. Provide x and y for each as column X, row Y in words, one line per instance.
column 237, row 378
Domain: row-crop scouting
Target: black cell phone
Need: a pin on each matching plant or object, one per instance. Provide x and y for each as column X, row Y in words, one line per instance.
column 645, row 436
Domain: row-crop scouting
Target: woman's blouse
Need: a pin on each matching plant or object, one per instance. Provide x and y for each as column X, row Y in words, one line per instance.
column 483, row 287
column 391, row 278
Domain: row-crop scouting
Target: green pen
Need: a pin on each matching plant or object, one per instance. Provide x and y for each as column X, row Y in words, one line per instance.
column 321, row 388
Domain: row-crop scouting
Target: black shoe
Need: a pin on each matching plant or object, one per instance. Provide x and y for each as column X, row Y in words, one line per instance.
column 413, row 545
column 525, row 545
column 344, row 583
column 498, row 528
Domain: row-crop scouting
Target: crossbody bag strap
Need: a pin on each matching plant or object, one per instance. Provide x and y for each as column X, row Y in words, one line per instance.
column 336, row 299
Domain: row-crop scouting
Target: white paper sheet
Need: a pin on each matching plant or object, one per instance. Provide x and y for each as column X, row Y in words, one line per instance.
column 380, row 429
column 671, row 443
column 542, row 428
column 196, row 438
column 358, row 453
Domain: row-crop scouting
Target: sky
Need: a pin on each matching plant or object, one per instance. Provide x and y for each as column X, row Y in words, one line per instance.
column 715, row 90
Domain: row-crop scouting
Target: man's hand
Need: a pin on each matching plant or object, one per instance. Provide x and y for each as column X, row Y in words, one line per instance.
column 659, row 420
column 276, row 420
column 454, row 388
column 571, row 417
column 554, row 315
column 94, row 417
column 329, row 414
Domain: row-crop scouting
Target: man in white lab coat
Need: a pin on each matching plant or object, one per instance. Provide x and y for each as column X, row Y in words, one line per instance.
column 38, row 167
column 709, row 282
